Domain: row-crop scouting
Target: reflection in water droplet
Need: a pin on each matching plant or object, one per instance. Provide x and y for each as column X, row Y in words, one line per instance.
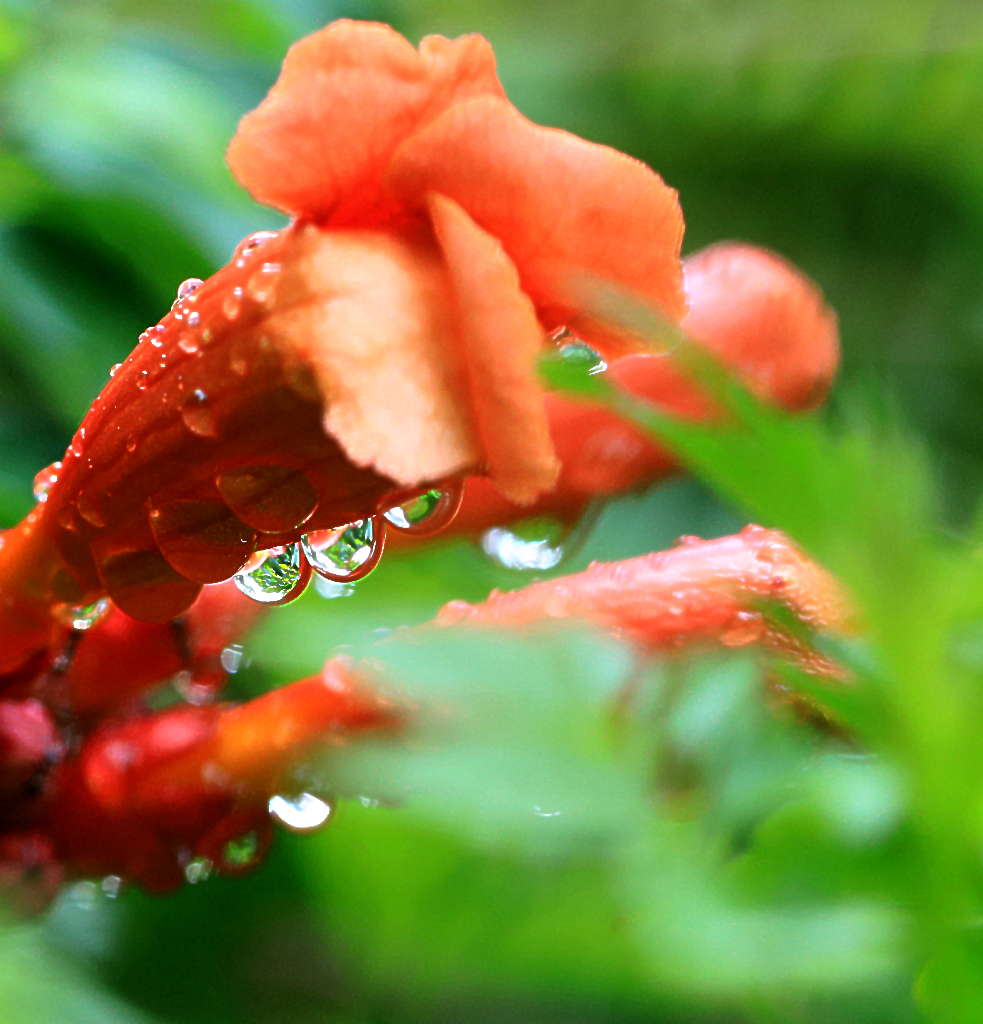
column 202, row 540
column 429, row 513
column 301, row 813
column 274, row 499
column 45, row 480
column 347, row 553
column 198, row 869
column 277, row 576
column 241, row 853
column 198, row 415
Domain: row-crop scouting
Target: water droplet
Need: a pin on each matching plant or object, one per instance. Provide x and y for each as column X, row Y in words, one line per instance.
column 45, row 480
column 231, row 659
column 512, row 551
column 198, row 415
column 143, row 585
column 277, row 576
column 274, row 499
column 157, row 340
column 429, row 513
column 347, row 553
column 239, row 360
column 90, row 509
column 188, row 287
column 232, row 303
column 745, row 628
column 114, row 369
column 132, row 443
column 261, row 285
column 687, row 540
column 202, row 540
column 142, row 380
column 83, row 617
column 188, row 343
column 111, row 886
column 251, row 243
column 301, row 813
column 241, row 853
column 582, row 355
column 198, row 869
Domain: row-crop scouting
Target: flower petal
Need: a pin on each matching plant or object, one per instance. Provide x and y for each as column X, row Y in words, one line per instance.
column 319, row 143
column 563, row 208
column 501, row 338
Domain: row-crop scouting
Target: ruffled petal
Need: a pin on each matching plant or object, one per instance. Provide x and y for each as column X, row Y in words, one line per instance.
column 563, row 208
column 500, row 339
column 347, row 96
column 371, row 314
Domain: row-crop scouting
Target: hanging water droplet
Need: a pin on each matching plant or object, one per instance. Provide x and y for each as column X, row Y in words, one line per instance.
column 241, row 853
column 143, row 585
column 188, row 287
column 274, row 499
column 277, row 576
column 251, row 243
column 347, row 553
column 198, row 415
column 512, row 551
column 111, row 886
column 261, row 285
column 428, row 513
column 198, row 869
column 83, row 617
column 202, row 540
column 45, row 480
column 583, row 356
column 304, row 812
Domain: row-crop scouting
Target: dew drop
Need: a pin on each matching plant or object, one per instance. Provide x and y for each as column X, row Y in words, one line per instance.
column 188, row 287
column 142, row 380
column 261, row 285
column 143, row 585
column 198, row 415
column 90, row 509
column 83, row 617
column 581, row 355
column 274, row 499
column 241, row 853
column 232, row 303
column 274, row 577
column 744, row 628
column 251, row 243
column 429, row 513
column 347, row 553
column 114, row 369
column 301, row 813
column 198, row 869
column 202, row 540
column 45, row 480
column 512, row 551
column 188, row 343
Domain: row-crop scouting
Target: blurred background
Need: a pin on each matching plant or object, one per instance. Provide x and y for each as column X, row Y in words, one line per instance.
column 845, row 135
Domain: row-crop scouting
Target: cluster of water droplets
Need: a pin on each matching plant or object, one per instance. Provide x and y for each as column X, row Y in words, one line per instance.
column 345, row 554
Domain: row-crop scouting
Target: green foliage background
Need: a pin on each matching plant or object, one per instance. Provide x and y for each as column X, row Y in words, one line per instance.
column 710, row 861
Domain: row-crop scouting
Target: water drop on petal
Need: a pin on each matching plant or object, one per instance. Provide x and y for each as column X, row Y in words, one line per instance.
column 301, row 813
column 274, row 499
column 745, row 628
column 251, row 243
column 198, row 415
column 260, row 287
column 188, row 287
column 232, row 303
column 274, row 577
column 582, row 355
column 90, row 509
column 198, row 869
column 346, row 553
column 428, row 513
column 202, row 540
column 45, row 480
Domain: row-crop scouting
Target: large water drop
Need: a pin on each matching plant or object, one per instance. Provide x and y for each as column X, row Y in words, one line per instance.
column 202, row 540
column 198, row 415
column 301, row 813
column 346, row 553
column 274, row 499
column 277, row 576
